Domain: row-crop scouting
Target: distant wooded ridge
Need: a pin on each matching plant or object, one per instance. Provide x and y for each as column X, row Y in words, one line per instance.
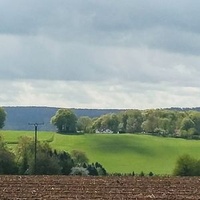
column 18, row 117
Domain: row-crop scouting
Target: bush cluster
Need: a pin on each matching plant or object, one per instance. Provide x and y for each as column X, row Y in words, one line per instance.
column 48, row 161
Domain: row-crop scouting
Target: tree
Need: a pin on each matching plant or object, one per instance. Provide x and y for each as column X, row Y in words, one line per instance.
column 134, row 121
column 185, row 166
column 100, row 169
column 25, row 151
column 65, row 161
column 2, row 117
column 123, row 122
column 187, row 124
column 164, row 125
column 195, row 117
column 168, row 122
column 92, row 170
column 46, row 163
column 7, row 160
column 84, row 124
column 150, row 123
column 79, row 157
column 65, row 120
column 160, row 121
column 113, row 123
column 105, row 123
column 95, row 169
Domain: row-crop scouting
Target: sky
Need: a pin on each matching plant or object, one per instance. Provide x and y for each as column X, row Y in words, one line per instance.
column 130, row 54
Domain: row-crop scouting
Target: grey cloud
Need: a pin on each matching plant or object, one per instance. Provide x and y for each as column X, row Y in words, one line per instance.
column 43, row 58
column 126, row 43
column 77, row 19
column 37, row 58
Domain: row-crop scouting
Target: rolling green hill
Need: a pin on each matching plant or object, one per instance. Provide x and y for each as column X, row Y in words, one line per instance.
column 120, row 153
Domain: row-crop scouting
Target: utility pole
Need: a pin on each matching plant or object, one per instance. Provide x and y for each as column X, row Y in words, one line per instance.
column 35, row 155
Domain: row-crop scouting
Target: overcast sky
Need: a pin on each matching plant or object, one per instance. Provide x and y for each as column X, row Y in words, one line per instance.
column 100, row 53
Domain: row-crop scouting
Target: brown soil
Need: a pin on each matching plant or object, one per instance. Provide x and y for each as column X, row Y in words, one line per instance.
column 68, row 187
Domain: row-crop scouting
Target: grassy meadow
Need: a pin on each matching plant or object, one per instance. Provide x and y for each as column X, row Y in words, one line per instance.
column 11, row 137
column 119, row 153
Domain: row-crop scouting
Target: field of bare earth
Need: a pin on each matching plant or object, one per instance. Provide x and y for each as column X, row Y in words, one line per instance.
column 113, row 187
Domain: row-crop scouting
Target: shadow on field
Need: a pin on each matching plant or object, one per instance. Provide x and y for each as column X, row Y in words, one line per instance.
column 74, row 134
column 125, row 144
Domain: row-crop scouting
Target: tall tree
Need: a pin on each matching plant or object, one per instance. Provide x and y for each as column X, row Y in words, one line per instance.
column 150, row 123
column 84, row 124
column 195, row 117
column 65, row 120
column 66, row 162
column 113, row 123
column 134, row 121
column 108, row 122
column 187, row 124
column 7, row 159
column 46, row 163
column 2, row 117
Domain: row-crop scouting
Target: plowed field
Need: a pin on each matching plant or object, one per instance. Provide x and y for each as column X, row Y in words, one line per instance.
column 66, row 187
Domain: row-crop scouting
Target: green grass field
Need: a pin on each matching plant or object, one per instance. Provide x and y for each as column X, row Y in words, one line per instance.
column 120, row 153
column 11, row 137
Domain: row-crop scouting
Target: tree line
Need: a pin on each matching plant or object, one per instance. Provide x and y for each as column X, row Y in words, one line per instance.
column 160, row 122
column 48, row 161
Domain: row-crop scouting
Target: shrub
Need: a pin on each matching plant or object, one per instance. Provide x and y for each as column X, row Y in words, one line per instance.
column 79, row 157
column 186, row 166
column 80, row 171
column 150, row 173
column 141, row 173
column 46, row 165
